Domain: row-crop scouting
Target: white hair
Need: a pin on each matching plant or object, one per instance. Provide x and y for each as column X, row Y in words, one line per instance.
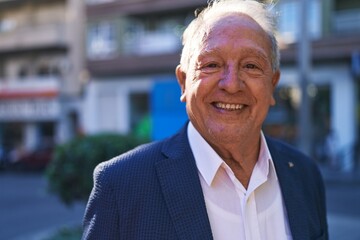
column 261, row 13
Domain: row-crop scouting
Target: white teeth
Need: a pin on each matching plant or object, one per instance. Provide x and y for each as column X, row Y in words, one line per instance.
column 228, row 106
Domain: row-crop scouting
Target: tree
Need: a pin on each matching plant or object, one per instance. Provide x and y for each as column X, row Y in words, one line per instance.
column 69, row 173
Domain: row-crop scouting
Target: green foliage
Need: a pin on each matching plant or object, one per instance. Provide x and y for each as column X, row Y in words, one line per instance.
column 70, row 171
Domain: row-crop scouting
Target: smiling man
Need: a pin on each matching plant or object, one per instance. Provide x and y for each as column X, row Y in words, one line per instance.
column 219, row 177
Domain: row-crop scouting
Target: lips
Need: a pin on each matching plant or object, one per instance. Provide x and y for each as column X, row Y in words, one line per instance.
column 229, row 106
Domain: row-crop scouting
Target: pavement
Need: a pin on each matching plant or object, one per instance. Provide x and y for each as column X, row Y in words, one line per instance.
column 338, row 176
column 343, row 200
column 29, row 212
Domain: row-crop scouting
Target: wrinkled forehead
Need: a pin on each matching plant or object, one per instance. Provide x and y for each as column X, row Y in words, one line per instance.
column 229, row 28
column 231, row 22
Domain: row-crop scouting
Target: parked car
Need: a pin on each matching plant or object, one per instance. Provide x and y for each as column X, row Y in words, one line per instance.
column 35, row 160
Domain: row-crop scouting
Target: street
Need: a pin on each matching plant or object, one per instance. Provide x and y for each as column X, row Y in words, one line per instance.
column 29, row 212
column 343, row 204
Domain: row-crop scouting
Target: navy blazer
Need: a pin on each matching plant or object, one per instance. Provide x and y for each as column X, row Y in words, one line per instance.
column 154, row 192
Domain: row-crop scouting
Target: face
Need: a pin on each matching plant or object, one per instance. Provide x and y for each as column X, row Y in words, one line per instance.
column 229, row 84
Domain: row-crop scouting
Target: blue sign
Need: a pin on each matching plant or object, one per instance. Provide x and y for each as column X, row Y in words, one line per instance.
column 168, row 114
column 355, row 63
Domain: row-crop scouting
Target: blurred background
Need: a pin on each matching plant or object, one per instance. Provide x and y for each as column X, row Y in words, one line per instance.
column 74, row 69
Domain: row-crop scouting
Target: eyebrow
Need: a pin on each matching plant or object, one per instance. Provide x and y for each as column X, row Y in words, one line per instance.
column 250, row 51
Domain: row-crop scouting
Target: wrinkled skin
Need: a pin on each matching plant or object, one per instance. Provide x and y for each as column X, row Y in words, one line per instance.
column 229, row 87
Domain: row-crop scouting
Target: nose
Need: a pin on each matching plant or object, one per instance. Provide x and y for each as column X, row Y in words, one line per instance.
column 231, row 81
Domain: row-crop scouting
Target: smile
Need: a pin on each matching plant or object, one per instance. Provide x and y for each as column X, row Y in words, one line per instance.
column 228, row 106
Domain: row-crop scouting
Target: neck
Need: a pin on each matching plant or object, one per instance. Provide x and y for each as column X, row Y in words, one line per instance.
column 240, row 157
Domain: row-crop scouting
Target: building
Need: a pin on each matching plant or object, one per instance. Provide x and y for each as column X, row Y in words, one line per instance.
column 41, row 57
column 334, row 27
column 134, row 46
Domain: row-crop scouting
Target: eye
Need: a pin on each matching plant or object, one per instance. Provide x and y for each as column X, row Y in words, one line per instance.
column 251, row 66
column 210, row 67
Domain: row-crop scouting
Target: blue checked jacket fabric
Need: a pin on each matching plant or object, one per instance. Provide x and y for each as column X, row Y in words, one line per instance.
column 153, row 192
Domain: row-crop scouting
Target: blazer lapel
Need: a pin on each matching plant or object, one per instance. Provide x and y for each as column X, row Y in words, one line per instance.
column 290, row 181
column 179, row 180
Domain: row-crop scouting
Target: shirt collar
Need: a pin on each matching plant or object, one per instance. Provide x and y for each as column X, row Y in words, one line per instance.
column 208, row 161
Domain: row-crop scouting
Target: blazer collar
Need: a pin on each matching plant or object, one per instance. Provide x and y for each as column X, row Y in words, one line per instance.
column 179, row 180
column 289, row 176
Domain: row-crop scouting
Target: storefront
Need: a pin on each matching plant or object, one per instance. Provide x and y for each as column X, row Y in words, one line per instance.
column 332, row 108
column 28, row 122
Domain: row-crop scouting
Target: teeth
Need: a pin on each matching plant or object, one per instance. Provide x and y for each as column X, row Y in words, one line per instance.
column 228, row 106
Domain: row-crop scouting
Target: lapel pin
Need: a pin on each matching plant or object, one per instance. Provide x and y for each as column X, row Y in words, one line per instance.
column 291, row 164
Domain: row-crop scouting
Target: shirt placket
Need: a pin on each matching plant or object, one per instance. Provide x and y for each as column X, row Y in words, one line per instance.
column 248, row 210
column 250, row 215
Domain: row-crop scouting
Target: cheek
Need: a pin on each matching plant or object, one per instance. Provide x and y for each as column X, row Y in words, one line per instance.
column 197, row 93
column 263, row 91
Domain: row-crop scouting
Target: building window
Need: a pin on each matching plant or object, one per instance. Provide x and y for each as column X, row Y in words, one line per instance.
column 289, row 20
column 101, row 40
column 94, row 2
column 346, row 18
column 148, row 35
column 346, row 5
column 44, row 71
column 23, row 72
column 281, row 121
column 7, row 25
column 2, row 71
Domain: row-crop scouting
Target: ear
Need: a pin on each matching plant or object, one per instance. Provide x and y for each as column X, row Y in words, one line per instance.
column 181, row 78
column 274, row 82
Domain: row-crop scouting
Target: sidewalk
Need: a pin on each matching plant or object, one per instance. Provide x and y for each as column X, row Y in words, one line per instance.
column 337, row 176
column 343, row 227
column 343, row 203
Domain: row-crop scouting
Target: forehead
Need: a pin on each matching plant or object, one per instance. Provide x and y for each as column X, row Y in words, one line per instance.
column 234, row 29
column 231, row 18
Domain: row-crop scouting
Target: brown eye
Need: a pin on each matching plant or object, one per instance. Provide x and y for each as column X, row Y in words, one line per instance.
column 212, row 65
column 210, row 68
column 251, row 66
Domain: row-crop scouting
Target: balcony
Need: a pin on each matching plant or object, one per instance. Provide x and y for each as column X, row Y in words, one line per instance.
column 130, row 46
column 332, row 48
column 127, row 65
column 347, row 21
column 99, row 8
column 34, row 37
column 153, row 43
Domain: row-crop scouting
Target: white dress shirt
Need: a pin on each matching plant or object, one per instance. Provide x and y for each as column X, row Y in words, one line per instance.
column 255, row 213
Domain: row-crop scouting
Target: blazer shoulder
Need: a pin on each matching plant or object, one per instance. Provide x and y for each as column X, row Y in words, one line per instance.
column 141, row 155
column 138, row 161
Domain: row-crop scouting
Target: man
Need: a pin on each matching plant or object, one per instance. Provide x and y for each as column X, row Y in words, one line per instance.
column 219, row 177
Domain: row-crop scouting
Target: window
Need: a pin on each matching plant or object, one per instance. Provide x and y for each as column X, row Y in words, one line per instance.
column 23, row 72
column 2, row 71
column 341, row 5
column 7, row 25
column 44, row 71
column 101, row 40
column 281, row 121
column 289, row 20
column 93, row 2
column 146, row 35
